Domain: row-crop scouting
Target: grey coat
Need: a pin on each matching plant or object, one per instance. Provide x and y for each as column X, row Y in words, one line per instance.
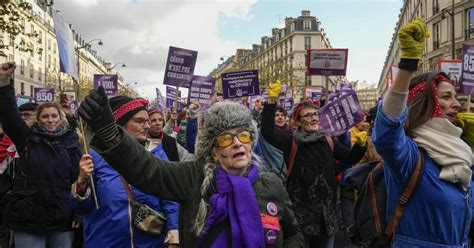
column 181, row 181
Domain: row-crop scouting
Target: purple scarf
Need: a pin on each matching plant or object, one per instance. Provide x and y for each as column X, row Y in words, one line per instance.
column 236, row 200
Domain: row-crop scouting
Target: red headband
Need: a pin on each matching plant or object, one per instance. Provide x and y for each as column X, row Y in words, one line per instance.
column 421, row 87
column 130, row 106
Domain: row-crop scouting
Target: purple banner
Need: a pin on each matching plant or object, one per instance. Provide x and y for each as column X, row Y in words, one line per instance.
column 108, row 81
column 44, row 95
column 159, row 100
column 467, row 78
column 180, row 67
column 170, row 97
column 241, row 83
column 339, row 116
column 202, row 90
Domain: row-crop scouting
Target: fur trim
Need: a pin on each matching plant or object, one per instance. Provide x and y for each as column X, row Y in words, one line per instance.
column 218, row 118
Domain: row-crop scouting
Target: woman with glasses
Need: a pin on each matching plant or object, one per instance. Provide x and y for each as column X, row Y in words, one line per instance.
column 36, row 208
column 311, row 184
column 226, row 199
column 110, row 225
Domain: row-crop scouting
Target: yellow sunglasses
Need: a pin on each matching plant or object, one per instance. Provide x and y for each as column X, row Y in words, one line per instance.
column 226, row 139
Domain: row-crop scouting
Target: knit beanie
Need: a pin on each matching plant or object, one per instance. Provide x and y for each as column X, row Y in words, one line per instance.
column 125, row 108
column 221, row 117
column 29, row 106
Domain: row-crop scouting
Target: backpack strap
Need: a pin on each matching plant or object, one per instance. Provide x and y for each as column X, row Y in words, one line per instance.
column 373, row 198
column 330, row 142
column 407, row 192
column 291, row 159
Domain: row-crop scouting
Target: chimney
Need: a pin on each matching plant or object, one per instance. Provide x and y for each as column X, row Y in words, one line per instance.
column 305, row 13
column 288, row 21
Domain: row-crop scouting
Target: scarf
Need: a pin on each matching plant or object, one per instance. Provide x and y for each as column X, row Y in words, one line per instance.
column 441, row 140
column 302, row 136
column 235, row 199
column 60, row 130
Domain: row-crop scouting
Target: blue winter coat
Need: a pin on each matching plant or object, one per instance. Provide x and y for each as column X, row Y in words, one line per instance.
column 439, row 212
column 109, row 226
column 191, row 133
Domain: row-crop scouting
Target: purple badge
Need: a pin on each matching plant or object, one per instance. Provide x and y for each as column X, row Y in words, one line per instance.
column 271, row 237
column 272, row 209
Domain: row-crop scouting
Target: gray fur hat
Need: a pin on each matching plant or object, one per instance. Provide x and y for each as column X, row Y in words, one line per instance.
column 220, row 117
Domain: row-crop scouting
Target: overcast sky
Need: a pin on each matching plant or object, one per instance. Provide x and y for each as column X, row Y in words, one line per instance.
column 139, row 32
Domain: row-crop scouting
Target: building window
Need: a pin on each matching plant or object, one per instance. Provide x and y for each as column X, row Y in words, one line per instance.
column 22, row 67
column 39, row 74
column 31, row 90
column 23, row 24
column 436, row 35
column 470, row 23
column 292, row 27
column 307, row 25
column 435, row 6
column 40, row 37
column 49, row 44
column 22, row 88
column 49, row 61
column 307, row 43
column 31, row 70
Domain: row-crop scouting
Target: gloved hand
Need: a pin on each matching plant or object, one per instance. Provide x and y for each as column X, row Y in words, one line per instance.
column 95, row 110
column 274, row 89
column 359, row 138
column 412, row 39
column 466, row 122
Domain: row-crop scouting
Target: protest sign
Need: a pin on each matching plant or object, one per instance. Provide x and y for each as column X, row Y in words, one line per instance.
column 327, row 62
column 452, row 68
column 240, row 83
column 287, row 101
column 180, row 67
column 171, row 96
column 338, row 116
column 467, row 78
column 109, row 82
column 44, row 95
column 308, row 91
column 202, row 90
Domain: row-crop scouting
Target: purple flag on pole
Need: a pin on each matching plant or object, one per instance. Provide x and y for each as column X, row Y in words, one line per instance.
column 44, row 95
column 202, row 90
column 109, row 82
column 159, row 100
column 240, row 83
column 338, row 116
column 180, row 67
column 467, row 78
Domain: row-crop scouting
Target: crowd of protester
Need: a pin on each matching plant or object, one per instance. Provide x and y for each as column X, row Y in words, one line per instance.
column 231, row 176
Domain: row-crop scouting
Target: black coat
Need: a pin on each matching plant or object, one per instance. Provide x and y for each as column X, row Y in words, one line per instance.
column 181, row 182
column 312, row 184
column 47, row 167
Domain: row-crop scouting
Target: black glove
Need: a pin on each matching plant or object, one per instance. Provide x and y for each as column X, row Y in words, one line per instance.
column 95, row 110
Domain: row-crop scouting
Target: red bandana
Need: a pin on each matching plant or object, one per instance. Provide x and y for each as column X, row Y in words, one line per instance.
column 421, row 87
column 130, row 106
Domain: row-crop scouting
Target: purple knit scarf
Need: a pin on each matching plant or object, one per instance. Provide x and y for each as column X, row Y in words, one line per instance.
column 235, row 199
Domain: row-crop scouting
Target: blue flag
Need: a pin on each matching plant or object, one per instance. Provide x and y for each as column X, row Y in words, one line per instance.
column 65, row 40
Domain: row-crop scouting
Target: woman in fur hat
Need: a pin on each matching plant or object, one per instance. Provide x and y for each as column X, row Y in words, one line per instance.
column 109, row 226
column 226, row 200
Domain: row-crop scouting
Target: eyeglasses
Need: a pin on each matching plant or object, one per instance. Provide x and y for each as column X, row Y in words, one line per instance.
column 309, row 115
column 141, row 121
column 226, row 139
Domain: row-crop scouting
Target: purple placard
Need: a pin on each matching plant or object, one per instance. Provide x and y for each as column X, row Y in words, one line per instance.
column 108, row 81
column 170, row 96
column 316, row 96
column 159, row 100
column 287, row 101
column 202, row 90
column 241, row 83
column 180, row 67
column 327, row 62
column 467, row 78
column 340, row 115
column 345, row 87
column 74, row 107
column 44, row 95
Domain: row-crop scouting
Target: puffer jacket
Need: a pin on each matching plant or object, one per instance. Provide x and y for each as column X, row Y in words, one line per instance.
column 48, row 165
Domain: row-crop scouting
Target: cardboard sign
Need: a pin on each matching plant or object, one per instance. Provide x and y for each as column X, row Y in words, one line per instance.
column 241, row 83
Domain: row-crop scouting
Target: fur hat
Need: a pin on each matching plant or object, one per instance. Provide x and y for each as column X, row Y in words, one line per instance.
column 220, row 117
column 125, row 108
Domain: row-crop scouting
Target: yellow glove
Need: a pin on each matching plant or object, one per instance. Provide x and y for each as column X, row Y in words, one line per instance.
column 359, row 138
column 274, row 89
column 412, row 39
column 466, row 122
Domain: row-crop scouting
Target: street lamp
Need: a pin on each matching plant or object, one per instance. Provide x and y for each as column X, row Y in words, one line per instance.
column 119, row 63
column 451, row 13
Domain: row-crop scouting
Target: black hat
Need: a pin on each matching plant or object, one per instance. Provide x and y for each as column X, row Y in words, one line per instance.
column 29, row 106
column 125, row 108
